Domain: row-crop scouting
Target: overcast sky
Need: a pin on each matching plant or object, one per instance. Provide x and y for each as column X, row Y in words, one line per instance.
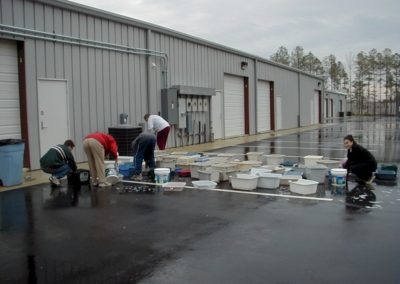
column 260, row 27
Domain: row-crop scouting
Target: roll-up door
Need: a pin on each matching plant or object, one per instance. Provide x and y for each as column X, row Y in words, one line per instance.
column 234, row 106
column 10, row 122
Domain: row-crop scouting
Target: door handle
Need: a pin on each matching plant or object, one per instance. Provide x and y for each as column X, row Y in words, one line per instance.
column 42, row 126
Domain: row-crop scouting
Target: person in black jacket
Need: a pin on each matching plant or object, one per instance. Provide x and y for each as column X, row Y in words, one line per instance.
column 360, row 161
column 59, row 161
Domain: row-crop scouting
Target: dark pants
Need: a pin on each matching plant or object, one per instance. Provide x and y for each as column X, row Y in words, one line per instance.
column 143, row 151
column 162, row 137
column 363, row 171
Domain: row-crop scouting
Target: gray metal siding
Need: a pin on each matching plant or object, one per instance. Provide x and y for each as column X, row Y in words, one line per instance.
column 286, row 87
column 102, row 84
column 308, row 87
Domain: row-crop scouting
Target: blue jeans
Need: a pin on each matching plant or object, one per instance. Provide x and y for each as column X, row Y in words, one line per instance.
column 59, row 172
column 143, row 151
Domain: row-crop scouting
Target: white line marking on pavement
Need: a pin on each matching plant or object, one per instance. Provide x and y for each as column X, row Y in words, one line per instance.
column 241, row 192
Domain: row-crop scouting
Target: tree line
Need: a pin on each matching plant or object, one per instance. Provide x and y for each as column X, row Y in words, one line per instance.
column 371, row 79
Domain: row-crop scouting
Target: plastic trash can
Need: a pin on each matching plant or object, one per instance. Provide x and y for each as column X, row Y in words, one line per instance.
column 11, row 161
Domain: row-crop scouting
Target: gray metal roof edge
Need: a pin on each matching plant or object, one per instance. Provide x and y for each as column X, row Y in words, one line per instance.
column 146, row 25
column 336, row 92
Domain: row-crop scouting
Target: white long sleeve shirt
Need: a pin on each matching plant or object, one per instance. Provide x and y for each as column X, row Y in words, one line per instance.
column 156, row 123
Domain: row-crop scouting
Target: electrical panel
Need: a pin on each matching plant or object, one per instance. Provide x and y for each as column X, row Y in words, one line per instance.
column 169, row 105
column 194, row 104
column 188, row 104
column 182, row 113
column 205, row 104
column 199, row 104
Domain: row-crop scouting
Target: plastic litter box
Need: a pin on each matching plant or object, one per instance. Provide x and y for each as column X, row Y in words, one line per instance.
column 268, row 180
column 330, row 164
column 273, row 159
column 204, row 184
column 303, row 186
column 173, row 186
column 316, row 172
column 209, row 175
column 244, row 181
column 285, row 179
column 311, row 160
column 254, row 156
column 259, row 170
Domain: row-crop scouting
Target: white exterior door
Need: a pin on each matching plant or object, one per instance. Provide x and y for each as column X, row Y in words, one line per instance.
column 53, row 113
column 263, row 107
column 217, row 114
column 233, row 106
column 10, row 121
column 278, row 113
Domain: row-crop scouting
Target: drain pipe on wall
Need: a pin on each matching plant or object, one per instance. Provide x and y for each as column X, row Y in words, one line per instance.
column 298, row 100
column 255, row 95
column 53, row 37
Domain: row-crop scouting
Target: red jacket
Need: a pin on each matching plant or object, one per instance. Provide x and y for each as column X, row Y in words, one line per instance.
column 108, row 142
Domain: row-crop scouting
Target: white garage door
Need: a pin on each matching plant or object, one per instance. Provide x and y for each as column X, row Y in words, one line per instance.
column 263, row 107
column 10, row 124
column 233, row 106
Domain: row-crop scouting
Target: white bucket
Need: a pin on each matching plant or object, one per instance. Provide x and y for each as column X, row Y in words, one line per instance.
column 112, row 175
column 339, row 177
column 161, row 175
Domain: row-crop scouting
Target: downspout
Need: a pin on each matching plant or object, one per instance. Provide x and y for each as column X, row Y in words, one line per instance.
column 148, row 72
column 298, row 100
column 255, row 94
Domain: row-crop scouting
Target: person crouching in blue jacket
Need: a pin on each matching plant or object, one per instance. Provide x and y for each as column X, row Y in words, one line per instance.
column 143, row 149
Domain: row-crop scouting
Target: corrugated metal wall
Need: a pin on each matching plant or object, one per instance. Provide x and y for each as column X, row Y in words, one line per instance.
column 285, row 86
column 102, row 84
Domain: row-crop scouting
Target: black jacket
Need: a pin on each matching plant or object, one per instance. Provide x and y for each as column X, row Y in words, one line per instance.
column 359, row 155
column 53, row 159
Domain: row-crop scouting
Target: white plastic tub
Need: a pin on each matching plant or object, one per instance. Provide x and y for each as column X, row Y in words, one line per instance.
column 268, row 180
column 244, row 166
column 316, row 172
column 209, row 175
column 228, row 167
column 285, row 179
column 204, row 184
column 259, row 170
column 196, row 167
column 331, row 164
column 254, row 156
column 303, row 186
column 173, row 186
column 273, row 159
column 244, row 182
column 125, row 159
column 311, row 160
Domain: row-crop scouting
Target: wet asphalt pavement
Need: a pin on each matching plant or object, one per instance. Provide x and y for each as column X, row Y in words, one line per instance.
column 76, row 235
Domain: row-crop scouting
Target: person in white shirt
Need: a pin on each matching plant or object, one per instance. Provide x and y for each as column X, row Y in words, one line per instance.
column 160, row 126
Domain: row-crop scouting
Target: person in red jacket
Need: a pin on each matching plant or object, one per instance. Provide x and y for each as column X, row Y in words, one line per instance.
column 97, row 146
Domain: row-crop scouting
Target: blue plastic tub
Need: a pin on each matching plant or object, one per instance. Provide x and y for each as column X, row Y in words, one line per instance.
column 11, row 162
column 126, row 169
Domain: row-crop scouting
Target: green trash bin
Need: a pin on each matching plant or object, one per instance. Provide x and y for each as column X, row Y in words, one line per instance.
column 11, row 161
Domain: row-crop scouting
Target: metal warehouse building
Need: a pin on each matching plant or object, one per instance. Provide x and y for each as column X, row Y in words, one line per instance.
column 335, row 104
column 67, row 70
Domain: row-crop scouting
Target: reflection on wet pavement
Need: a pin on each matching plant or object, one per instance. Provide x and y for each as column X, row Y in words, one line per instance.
column 82, row 235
